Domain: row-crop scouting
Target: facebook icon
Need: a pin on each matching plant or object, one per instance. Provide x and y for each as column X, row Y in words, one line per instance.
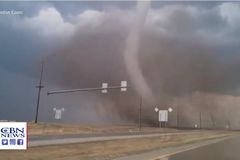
column 20, row 142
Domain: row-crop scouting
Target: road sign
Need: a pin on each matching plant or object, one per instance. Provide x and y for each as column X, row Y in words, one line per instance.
column 163, row 116
column 124, row 84
column 104, row 86
column 58, row 113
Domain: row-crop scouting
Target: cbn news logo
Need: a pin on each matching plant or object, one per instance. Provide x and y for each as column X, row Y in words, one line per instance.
column 13, row 135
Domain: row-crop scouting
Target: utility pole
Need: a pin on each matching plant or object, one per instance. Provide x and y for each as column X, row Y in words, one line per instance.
column 229, row 124
column 140, row 115
column 200, row 120
column 40, row 86
column 177, row 116
column 213, row 121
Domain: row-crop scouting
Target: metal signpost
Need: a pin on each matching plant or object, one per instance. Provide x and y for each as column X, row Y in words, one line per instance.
column 103, row 89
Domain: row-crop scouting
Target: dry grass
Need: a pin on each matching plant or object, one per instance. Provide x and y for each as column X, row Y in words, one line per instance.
column 63, row 129
column 107, row 149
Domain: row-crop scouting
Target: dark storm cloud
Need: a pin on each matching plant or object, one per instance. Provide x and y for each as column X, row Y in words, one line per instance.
column 185, row 48
column 184, row 56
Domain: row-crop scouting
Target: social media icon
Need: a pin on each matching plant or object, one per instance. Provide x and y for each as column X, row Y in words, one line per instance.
column 4, row 142
column 12, row 141
column 20, row 141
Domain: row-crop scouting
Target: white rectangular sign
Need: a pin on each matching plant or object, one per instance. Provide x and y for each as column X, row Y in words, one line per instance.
column 124, row 84
column 13, row 135
column 104, row 86
column 163, row 116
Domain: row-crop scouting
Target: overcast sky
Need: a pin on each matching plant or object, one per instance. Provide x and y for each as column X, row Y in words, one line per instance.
column 185, row 47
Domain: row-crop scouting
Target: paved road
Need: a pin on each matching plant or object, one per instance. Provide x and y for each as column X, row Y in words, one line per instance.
column 225, row 150
column 165, row 153
column 67, row 139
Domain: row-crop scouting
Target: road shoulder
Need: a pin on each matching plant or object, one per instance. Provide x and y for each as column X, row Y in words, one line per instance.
column 168, row 151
